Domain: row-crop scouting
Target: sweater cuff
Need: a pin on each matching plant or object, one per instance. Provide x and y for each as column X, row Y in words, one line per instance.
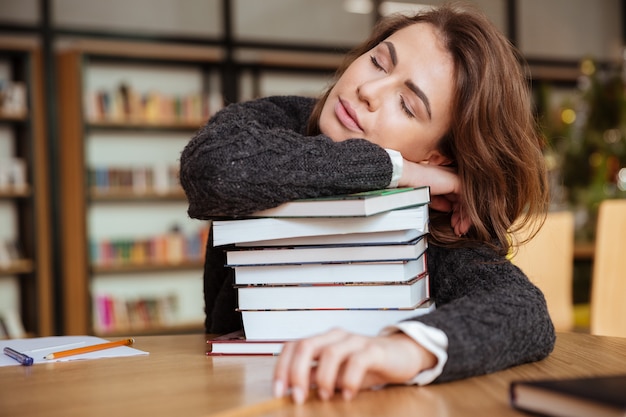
column 430, row 338
column 396, row 161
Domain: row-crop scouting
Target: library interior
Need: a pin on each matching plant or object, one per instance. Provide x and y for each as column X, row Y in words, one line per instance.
column 99, row 99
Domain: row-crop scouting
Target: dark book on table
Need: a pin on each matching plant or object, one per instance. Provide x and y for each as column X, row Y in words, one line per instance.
column 365, row 203
column 296, row 324
column 601, row 396
column 242, row 230
column 235, row 343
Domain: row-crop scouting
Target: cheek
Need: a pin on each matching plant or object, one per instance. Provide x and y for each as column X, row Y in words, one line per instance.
column 325, row 122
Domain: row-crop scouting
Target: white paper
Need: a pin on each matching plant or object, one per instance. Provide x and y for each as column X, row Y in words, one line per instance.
column 39, row 347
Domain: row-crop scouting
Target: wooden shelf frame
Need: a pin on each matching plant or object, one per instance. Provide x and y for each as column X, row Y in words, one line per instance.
column 75, row 196
column 36, row 279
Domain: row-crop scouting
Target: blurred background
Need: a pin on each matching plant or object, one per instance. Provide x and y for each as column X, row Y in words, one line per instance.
column 98, row 98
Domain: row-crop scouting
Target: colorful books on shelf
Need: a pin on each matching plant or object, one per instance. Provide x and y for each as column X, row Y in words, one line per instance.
column 117, row 313
column 572, row 397
column 356, row 262
column 158, row 179
column 172, row 248
column 125, row 104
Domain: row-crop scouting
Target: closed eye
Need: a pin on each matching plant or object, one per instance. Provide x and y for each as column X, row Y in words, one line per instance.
column 376, row 63
column 406, row 108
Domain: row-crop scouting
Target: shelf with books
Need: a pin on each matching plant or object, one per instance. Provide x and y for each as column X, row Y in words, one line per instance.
column 134, row 182
column 171, row 251
column 26, row 301
column 115, row 314
column 148, row 266
column 127, row 109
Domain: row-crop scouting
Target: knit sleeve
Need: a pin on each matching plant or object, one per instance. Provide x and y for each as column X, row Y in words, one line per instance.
column 255, row 155
column 493, row 316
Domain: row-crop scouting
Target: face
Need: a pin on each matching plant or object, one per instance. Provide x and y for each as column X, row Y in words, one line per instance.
column 397, row 95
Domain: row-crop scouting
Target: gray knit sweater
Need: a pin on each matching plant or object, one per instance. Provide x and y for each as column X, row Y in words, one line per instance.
column 255, row 155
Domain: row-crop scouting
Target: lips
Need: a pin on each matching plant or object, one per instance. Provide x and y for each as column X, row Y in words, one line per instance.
column 347, row 116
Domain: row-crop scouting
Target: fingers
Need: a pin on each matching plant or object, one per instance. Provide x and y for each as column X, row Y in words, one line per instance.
column 341, row 362
column 440, row 203
column 294, row 370
column 460, row 222
column 341, row 365
column 346, row 362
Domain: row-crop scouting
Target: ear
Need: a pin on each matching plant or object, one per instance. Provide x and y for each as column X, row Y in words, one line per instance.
column 436, row 158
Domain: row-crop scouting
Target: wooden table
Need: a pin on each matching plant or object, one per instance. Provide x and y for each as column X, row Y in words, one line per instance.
column 178, row 379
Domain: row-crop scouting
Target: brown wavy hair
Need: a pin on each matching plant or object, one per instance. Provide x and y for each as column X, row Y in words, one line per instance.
column 493, row 140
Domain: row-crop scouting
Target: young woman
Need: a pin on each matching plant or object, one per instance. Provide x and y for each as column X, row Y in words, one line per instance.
column 438, row 99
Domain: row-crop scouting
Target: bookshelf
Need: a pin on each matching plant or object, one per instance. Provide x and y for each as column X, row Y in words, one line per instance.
column 131, row 259
column 26, row 287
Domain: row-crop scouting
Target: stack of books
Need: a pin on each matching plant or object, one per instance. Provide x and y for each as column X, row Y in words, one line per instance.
column 355, row 261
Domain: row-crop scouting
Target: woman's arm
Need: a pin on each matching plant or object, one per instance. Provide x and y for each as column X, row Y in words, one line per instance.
column 255, row 155
column 493, row 316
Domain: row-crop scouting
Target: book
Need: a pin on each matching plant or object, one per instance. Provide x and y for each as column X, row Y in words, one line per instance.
column 326, row 253
column 254, row 229
column 600, row 396
column 408, row 294
column 235, row 343
column 388, row 237
column 358, row 204
column 330, row 272
column 297, row 324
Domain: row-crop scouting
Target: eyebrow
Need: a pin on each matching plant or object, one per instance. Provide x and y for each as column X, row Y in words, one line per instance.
column 410, row 84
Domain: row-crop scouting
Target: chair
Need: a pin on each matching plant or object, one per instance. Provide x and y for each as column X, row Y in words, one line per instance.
column 608, row 285
column 548, row 261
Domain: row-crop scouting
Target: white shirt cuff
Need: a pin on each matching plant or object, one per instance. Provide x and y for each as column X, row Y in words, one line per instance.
column 430, row 338
column 396, row 161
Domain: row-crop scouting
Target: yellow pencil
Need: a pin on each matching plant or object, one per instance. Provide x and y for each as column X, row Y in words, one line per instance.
column 92, row 348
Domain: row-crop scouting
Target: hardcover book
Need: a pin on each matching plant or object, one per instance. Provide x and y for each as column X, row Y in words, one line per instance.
column 358, row 204
column 601, row 396
column 389, row 237
column 255, row 229
column 408, row 294
column 327, row 253
column 338, row 273
column 297, row 324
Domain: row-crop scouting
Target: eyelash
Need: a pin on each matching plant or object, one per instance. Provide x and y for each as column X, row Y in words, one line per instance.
column 376, row 64
column 403, row 105
column 405, row 108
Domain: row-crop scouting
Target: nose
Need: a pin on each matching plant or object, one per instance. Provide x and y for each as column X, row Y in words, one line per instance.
column 372, row 92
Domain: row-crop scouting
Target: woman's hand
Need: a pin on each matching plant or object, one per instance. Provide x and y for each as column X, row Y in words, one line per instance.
column 445, row 190
column 346, row 362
